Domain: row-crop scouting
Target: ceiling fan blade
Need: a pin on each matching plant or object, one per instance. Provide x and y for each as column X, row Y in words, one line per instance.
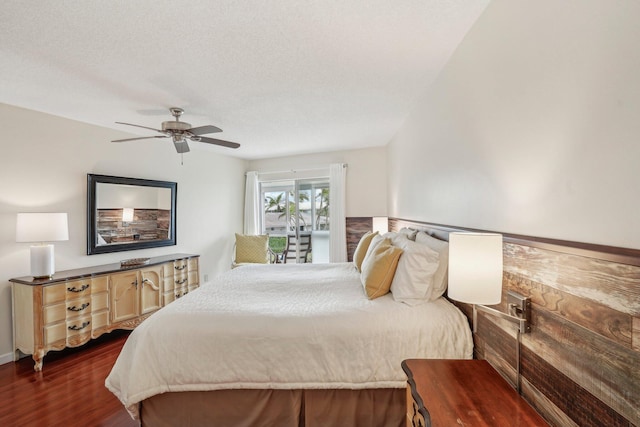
column 218, row 142
column 181, row 146
column 201, row 130
column 135, row 139
column 138, row 126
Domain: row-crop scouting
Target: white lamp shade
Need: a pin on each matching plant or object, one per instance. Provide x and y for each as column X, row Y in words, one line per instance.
column 127, row 214
column 475, row 268
column 42, row 227
column 380, row 224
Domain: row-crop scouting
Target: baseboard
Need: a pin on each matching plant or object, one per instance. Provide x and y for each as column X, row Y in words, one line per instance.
column 6, row 358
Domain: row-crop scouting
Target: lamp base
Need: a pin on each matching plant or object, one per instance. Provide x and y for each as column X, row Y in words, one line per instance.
column 42, row 262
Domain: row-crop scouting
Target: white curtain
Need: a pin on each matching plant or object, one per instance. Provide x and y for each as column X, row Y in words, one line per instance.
column 252, row 205
column 338, row 232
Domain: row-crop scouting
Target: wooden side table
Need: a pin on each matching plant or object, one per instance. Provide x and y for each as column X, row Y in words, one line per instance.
column 443, row 393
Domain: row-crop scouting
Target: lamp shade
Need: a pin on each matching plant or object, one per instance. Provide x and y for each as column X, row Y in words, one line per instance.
column 475, row 268
column 380, row 224
column 42, row 227
column 127, row 214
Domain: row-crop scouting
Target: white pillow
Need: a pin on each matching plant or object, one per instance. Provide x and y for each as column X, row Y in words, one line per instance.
column 396, row 238
column 440, row 279
column 413, row 281
column 411, row 234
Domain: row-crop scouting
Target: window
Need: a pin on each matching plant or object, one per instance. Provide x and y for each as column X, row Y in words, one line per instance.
column 293, row 207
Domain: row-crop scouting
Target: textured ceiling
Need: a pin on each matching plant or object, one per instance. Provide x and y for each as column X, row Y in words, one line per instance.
column 280, row 77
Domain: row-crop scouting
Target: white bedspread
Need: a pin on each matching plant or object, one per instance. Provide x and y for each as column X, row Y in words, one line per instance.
column 283, row 327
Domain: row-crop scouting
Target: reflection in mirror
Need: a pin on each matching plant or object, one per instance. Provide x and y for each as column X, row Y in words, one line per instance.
column 129, row 213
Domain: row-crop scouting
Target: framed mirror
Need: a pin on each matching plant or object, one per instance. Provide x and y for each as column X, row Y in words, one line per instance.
column 124, row 214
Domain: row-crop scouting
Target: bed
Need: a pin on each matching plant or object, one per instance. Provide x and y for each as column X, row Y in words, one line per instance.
column 282, row 345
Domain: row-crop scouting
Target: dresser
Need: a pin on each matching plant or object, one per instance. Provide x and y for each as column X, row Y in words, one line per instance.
column 442, row 393
column 75, row 306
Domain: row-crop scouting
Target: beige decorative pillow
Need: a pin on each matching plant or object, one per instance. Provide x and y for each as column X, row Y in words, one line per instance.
column 374, row 242
column 252, row 249
column 378, row 269
column 361, row 249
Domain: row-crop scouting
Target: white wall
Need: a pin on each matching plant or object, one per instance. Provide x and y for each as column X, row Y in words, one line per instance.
column 43, row 168
column 366, row 176
column 110, row 196
column 532, row 128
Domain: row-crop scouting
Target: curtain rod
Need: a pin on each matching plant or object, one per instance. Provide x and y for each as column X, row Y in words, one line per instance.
column 344, row 165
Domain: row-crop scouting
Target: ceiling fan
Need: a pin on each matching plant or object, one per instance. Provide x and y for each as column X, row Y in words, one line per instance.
column 180, row 132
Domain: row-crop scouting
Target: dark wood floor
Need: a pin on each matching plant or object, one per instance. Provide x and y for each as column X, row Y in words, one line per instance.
column 69, row 391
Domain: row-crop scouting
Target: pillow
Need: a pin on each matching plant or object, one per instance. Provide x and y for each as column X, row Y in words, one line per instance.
column 396, row 238
column 413, row 281
column 374, row 242
column 378, row 269
column 411, row 234
column 252, row 249
column 441, row 277
column 361, row 249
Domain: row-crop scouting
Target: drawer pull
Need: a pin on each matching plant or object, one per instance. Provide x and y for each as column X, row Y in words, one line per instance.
column 82, row 307
column 77, row 328
column 82, row 288
column 180, row 282
column 180, row 267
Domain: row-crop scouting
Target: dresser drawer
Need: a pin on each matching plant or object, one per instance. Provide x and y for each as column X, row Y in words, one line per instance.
column 167, row 270
column 169, row 297
column 168, row 282
column 99, row 320
column 181, row 280
column 99, row 301
column 194, row 278
column 67, row 290
column 62, row 330
column 65, row 310
column 180, row 292
column 99, row 284
column 180, row 265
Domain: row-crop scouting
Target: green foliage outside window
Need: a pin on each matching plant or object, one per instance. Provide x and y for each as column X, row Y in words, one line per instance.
column 277, row 244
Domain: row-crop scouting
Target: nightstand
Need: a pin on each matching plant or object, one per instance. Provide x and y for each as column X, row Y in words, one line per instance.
column 442, row 393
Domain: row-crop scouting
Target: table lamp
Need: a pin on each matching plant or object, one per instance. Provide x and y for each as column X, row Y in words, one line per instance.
column 42, row 227
column 380, row 224
column 475, row 277
column 127, row 215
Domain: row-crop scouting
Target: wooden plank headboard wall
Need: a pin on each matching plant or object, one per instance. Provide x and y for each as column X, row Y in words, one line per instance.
column 580, row 365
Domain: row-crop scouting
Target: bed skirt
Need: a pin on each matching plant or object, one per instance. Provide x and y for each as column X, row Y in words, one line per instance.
column 282, row 408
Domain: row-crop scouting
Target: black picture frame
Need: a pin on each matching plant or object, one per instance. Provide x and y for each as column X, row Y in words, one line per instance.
column 93, row 247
